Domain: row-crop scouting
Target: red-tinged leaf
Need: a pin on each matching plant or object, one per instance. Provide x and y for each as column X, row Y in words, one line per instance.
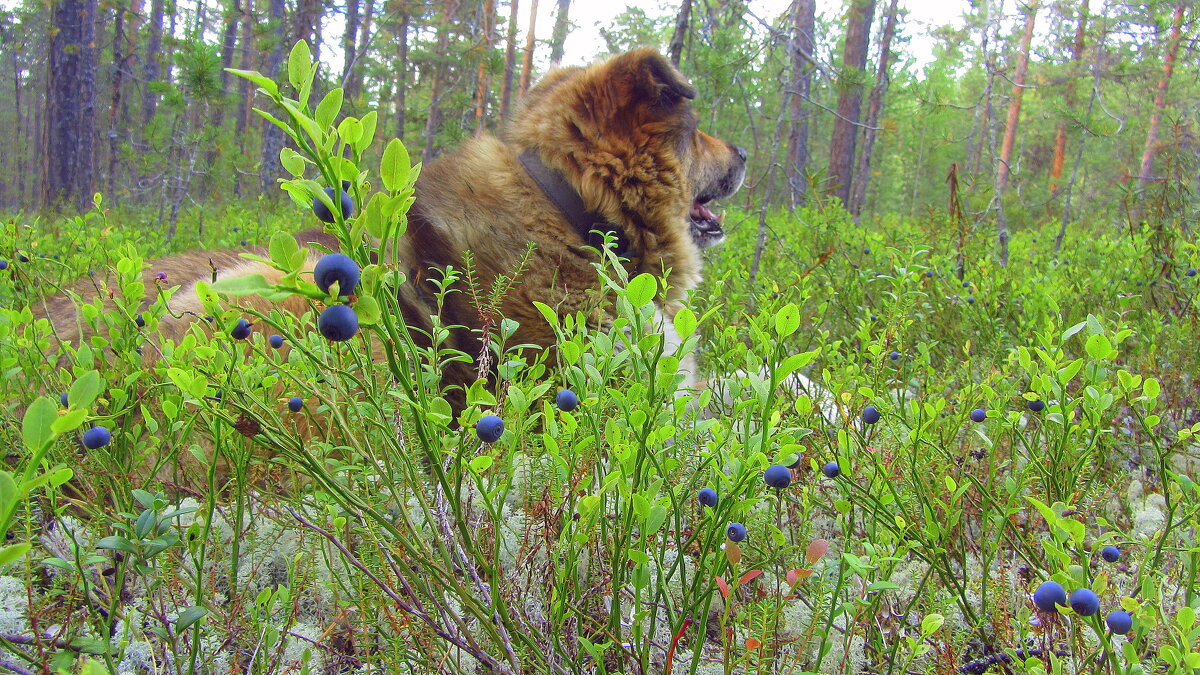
column 733, row 553
column 797, row 577
column 723, row 586
column 816, row 550
column 751, row 643
column 749, row 576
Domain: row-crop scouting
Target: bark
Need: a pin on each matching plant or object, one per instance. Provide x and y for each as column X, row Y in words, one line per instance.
column 862, row 172
column 1003, row 167
column 114, row 102
column 1060, row 136
column 6, row 38
column 804, row 14
column 245, row 62
column 349, row 42
column 483, row 78
column 401, row 71
column 849, row 106
column 69, row 176
column 272, row 136
column 527, row 61
column 150, row 65
column 682, row 20
column 558, row 36
column 1145, row 173
column 510, row 60
column 1070, row 189
column 354, row 81
column 434, row 121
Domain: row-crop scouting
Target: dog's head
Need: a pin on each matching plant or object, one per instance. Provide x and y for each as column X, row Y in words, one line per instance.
column 625, row 134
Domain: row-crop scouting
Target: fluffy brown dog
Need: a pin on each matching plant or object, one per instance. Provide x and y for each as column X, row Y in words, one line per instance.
column 613, row 146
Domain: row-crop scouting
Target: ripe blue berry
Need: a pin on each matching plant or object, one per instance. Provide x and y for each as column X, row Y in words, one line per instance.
column 1048, row 595
column 1191, row 271
column 1119, row 622
column 1035, row 406
column 895, row 356
column 831, row 470
column 295, row 403
column 338, row 323
column 707, row 497
column 339, row 268
column 777, row 476
column 1084, row 602
column 971, row 300
column 141, row 323
column 324, row 214
column 275, row 341
column 978, row 415
column 241, row 331
column 1110, row 554
column 489, row 428
column 867, row 251
column 96, row 437
column 736, row 532
column 62, row 398
column 870, row 414
column 929, row 274
column 566, row 400
column 3, row 265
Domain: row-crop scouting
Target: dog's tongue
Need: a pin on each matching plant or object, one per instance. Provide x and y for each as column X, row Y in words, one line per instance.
column 699, row 212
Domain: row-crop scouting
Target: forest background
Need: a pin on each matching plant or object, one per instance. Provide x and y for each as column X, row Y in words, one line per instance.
column 1009, row 113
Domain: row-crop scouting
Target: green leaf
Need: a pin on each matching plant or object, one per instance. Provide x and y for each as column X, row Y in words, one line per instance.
column 1151, row 388
column 328, row 108
column 685, row 323
column 69, row 421
column 1073, row 330
column 237, row 286
column 268, row 85
column 283, row 250
column 292, row 161
column 116, row 543
column 367, row 309
column 394, row 167
column 317, row 134
column 190, row 616
column 368, row 123
column 350, row 130
column 481, row 463
column 299, row 64
column 787, row 320
column 931, row 623
column 85, row 390
column 547, row 313
column 36, row 427
column 658, row 516
column 10, row 554
column 641, row 289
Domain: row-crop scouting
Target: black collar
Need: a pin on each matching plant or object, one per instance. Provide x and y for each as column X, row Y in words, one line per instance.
column 590, row 225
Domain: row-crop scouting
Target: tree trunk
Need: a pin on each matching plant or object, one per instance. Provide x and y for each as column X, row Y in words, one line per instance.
column 354, row 79
column 1003, row 167
column 69, row 177
column 510, row 61
column 850, row 88
column 483, row 80
column 349, row 45
column 114, row 106
column 804, row 14
column 150, row 66
column 434, row 121
column 1160, row 103
column 1068, row 193
column 6, row 37
column 558, row 37
column 272, row 136
column 682, row 20
column 1060, row 137
column 862, row 172
column 527, row 61
column 401, row 70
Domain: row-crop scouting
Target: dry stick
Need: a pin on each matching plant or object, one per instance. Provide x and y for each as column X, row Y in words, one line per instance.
column 466, row 645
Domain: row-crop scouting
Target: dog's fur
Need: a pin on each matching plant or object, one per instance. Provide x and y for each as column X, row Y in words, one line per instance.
column 622, row 133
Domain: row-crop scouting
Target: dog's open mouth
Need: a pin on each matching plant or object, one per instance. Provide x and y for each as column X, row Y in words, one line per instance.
column 704, row 225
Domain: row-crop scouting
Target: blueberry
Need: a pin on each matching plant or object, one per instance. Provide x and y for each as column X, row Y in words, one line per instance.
column 21, row 257
column 1048, row 595
column 870, row 414
column 3, row 265
column 966, row 284
column 978, row 415
column 141, row 323
column 338, row 323
column 1119, row 622
column 566, row 400
column 874, row 317
column 796, row 464
column 777, row 476
column 1035, row 405
column 275, row 341
column 1191, row 271
column 971, row 300
column 707, row 497
column 324, row 214
column 929, row 274
column 96, row 437
column 339, row 268
column 489, row 428
column 1110, row 554
column 161, row 276
column 895, row 356
column 831, row 470
column 243, row 243
column 241, row 331
column 62, row 398
column 867, row 251
column 237, row 229
column 736, row 532
column 295, row 403
column 1084, row 602
column 1139, row 283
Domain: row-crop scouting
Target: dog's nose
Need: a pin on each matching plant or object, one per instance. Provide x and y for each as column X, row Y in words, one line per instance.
column 741, row 152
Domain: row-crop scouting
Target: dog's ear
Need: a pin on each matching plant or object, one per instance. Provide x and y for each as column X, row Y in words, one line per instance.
column 656, row 76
